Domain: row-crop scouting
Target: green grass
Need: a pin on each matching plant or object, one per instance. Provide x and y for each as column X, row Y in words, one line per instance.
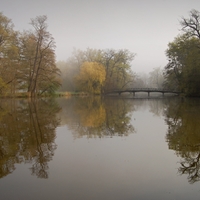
column 71, row 94
column 56, row 94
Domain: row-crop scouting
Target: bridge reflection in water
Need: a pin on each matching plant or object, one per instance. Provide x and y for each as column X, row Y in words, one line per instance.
column 148, row 90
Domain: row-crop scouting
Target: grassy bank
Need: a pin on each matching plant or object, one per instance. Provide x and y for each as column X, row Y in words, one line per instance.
column 63, row 94
column 56, row 94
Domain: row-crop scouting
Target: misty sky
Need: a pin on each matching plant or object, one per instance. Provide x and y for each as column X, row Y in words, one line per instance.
column 144, row 27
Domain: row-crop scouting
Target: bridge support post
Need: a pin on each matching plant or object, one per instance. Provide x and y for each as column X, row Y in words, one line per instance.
column 148, row 94
column 133, row 93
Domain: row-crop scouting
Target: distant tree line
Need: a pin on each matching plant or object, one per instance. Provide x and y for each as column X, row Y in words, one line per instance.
column 27, row 59
column 96, row 71
column 28, row 64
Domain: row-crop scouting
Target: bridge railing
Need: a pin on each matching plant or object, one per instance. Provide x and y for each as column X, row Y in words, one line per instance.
column 141, row 89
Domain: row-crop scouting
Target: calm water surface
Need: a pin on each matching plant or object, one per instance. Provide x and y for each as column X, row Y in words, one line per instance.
column 100, row 149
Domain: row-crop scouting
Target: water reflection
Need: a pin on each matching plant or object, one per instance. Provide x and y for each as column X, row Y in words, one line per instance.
column 27, row 134
column 93, row 117
column 183, row 135
column 27, row 128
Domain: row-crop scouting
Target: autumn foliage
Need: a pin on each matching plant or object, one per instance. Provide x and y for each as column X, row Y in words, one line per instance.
column 91, row 78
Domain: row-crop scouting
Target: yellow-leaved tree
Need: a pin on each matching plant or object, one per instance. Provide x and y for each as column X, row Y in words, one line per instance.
column 91, row 78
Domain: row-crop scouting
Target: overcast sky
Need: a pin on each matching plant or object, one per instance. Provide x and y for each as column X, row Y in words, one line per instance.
column 144, row 27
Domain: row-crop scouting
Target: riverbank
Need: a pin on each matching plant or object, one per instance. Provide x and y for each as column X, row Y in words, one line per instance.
column 57, row 94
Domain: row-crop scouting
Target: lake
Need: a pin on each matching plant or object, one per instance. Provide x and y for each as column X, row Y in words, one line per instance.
column 100, row 148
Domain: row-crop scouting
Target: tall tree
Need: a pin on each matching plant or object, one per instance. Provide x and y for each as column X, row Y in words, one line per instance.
column 8, row 54
column 183, row 69
column 27, row 60
column 118, row 68
column 43, row 58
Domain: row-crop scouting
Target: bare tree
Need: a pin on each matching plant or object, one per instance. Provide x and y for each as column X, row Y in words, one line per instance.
column 191, row 25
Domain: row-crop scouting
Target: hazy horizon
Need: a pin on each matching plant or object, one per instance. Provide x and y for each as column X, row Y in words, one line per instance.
column 143, row 27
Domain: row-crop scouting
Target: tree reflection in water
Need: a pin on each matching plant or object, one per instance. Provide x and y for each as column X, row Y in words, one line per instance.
column 183, row 136
column 27, row 134
column 95, row 117
column 27, row 128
